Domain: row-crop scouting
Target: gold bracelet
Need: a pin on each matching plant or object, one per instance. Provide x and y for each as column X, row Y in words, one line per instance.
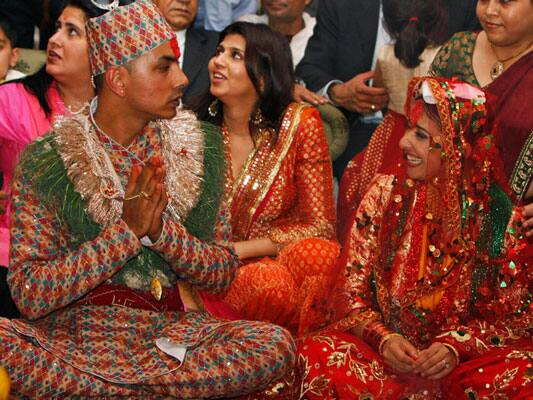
column 384, row 339
column 454, row 351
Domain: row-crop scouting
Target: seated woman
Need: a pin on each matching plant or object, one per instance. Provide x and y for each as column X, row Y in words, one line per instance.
column 29, row 106
column 419, row 28
column 433, row 299
column 500, row 59
column 279, row 176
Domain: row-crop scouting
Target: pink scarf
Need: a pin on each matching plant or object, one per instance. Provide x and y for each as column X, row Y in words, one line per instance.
column 22, row 120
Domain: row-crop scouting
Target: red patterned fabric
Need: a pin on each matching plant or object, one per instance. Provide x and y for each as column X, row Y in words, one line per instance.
column 288, row 291
column 107, row 295
column 512, row 123
column 104, row 345
column 341, row 367
column 382, row 155
column 438, row 260
column 285, row 193
column 126, row 33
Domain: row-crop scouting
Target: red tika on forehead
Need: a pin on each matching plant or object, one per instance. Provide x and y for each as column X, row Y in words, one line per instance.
column 126, row 33
column 416, row 112
column 175, row 47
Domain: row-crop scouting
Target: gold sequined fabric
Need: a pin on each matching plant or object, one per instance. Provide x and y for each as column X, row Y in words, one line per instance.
column 286, row 191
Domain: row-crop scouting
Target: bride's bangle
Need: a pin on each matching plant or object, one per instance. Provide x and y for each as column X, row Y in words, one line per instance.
column 374, row 332
column 384, row 339
column 454, row 351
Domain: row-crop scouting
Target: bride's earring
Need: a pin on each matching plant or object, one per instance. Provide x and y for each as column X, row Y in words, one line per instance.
column 212, row 110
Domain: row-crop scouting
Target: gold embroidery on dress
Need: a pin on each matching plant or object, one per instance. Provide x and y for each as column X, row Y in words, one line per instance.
column 256, row 178
column 317, row 386
column 94, row 178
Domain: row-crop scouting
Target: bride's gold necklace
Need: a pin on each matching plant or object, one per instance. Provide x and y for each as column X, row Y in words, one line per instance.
column 499, row 66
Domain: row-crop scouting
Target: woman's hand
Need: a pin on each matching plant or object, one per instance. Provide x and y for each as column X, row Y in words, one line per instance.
column 145, row 200
column 3, row 201
column 301, row 93
column 399, row 354
column 435, row 362
column 255, row 248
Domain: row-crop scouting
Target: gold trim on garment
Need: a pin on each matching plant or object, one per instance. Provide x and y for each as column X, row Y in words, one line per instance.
column 256, row 180
column 91, row 172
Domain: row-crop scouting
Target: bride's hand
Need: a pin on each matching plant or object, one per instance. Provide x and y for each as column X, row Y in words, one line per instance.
column 399, row 353
column 435, row 362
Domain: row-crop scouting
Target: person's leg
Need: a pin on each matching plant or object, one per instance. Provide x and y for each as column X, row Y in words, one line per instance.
column 233, row 359
column 501, row 373
column 264, row 291
column 38, row 374
column 239, row 357
column 339, row 366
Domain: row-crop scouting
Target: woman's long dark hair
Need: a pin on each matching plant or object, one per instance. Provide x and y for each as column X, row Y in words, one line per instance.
column 268, row 63
column 39, row 82
column 415, row 25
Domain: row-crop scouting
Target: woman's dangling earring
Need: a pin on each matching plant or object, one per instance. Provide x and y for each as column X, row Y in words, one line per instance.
column 258, row 119
column 212, row 110
column 106, row 6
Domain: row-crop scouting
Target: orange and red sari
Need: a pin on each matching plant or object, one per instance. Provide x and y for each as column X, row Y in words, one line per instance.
column 285, row 193
column 440, row 260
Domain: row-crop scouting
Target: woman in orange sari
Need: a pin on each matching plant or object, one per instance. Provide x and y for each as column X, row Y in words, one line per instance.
column 279, row 178
column 434, row 295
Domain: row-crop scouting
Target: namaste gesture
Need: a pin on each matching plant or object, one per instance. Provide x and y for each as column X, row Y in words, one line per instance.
column 146, row 199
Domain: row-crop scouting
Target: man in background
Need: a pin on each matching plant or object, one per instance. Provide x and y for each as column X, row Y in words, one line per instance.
column 340, row 58
column 198, row 44
column 289, row 18
column 215, row 15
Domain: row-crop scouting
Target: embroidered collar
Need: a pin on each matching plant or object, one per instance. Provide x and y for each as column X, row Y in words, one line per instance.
column 91, row 172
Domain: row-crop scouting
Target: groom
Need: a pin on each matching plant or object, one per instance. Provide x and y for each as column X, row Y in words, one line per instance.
column 111, row 210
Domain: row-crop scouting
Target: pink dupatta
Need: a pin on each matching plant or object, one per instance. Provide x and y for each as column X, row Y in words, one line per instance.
column 22, row 120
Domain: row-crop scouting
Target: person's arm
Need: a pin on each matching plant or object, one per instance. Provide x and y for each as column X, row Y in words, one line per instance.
column 314, row 184
column 207, row 266
column 356, row 95
column 301, row 93
column 17, row 119
column 261, row 247
column 318, row 64
column 45, row 272
column 361, row 252
column 360, row 256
